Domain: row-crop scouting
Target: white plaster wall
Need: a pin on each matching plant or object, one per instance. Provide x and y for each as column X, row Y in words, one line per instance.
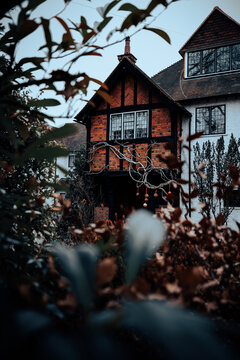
column 63, row 162
column 232, row 126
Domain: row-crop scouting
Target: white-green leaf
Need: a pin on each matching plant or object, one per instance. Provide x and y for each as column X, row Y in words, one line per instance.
column 144, row 235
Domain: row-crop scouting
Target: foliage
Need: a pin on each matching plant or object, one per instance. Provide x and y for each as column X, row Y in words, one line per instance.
column 212, row 166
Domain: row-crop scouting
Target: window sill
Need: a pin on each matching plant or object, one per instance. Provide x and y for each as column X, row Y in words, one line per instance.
column 213, row 135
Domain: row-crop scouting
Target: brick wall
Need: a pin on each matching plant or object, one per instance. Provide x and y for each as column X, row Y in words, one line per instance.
column 159, row 149
column 129, row 90
column 128, row 154
column 142, row 93
column 114, row 162
column 101, row 213
column 161, row 122
column 99, row 128
column 141, row 154
column 116, row 95
column 99, row 160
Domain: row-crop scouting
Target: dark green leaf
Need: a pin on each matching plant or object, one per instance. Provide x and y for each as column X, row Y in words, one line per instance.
column 159, row 32
column 44, row 103
column 129, row 7
column 104, row 23
column 79, row 266
column 47, row 33
column 181, row 334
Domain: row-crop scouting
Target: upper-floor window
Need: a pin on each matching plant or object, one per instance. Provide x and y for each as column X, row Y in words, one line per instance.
column 71, row 160
column 129, row 125
column 211, row 119
column 217, row 60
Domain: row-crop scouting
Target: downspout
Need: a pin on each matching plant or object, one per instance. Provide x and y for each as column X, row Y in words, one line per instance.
column 189, row 164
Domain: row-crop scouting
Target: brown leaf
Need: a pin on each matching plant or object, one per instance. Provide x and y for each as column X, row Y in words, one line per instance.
column 190, row 278
column 106, row 270
column 173, row 288
column 197, row 135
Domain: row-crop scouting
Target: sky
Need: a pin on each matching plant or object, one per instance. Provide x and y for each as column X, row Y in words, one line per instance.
column 153, row 54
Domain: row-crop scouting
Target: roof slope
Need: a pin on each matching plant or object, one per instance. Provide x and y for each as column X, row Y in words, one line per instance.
column 73, row 142
column 126, row 65
column 212, row 32
column 172, row 81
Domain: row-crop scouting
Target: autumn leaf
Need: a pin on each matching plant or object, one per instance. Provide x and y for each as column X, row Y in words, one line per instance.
column 106, row 270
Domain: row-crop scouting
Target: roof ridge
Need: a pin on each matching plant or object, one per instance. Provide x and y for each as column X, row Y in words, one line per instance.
column 166, row 68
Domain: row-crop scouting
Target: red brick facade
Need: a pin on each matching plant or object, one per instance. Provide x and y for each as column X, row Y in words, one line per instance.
column 101, row 213
column 131, row 91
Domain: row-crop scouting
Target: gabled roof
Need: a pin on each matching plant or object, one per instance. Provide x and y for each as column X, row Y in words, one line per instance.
column 126, row 65
column 73, row 142
column 212, row 32
column 172, row 81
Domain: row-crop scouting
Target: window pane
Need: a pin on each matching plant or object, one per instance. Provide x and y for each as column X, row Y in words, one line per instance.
column 208, row 58
column 128, row 126
column 203, row 120
column 142, row 124
column 194, row 63
column 236, row 57
column 218, row 120
column 223, row 58
column 116, row 127
column 71, row 160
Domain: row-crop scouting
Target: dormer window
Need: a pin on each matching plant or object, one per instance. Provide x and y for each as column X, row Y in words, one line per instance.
column 211, row 61
column 129, row 125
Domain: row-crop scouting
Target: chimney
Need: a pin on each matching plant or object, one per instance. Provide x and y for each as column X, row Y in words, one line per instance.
column 127, row 45
column 127, row 53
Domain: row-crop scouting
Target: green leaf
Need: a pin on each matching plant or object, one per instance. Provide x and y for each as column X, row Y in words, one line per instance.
column 159, row 32
column 33, row 4
column 47, row 33
column 46, row 153
column 179, row 333
column 79, row 266
column 143, row 237
column 129, row 7
column 44, row 103
column 34, row 60
column 104, row 23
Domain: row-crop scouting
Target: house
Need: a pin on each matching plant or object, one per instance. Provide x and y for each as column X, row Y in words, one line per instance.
column 198, row 93
column 206, row 81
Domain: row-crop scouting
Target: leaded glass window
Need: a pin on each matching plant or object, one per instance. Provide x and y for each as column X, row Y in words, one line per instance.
column 116, row 127
column 71, row 160
column 141, row 124
column 128, row 125
column 216, row 60
column 211, row 119
column 194, row 63
column 223, row 59
column 208, row 59
column 236, row 57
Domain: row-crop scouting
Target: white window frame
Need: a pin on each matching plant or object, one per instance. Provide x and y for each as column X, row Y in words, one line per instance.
column 215, row 62
column 69, row 163
column 122, row 125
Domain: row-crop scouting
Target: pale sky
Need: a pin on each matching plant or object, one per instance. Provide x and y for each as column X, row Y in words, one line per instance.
column 153, row 54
